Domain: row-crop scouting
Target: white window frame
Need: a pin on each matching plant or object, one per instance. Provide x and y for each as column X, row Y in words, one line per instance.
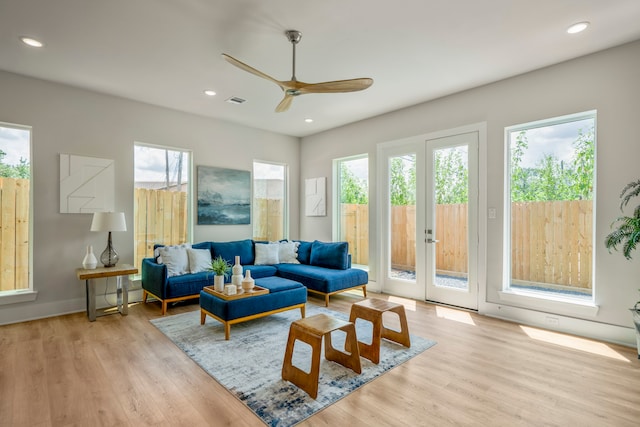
column 544, row 301
column 285, row 202
column 27, row 294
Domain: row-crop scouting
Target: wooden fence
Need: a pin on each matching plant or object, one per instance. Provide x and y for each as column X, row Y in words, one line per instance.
column 551, row 242
column 160, row 217
column 14, row 234
column 267, row 219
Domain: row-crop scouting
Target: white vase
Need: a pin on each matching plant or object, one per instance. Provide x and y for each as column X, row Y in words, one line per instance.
column 248, row 283
column 218, row 282
column 90, row 261
column 236, row 278
column 635, row 312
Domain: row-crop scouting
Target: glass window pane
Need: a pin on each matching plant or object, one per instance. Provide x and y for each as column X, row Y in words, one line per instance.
column 353, row 224
column 551, row 191
column 269, row 189
column 161, row 210
column 402, row 195
column 15, row 187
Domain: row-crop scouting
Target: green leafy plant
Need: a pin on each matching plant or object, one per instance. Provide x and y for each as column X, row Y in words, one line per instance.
column 220, row 266
column 627, row 228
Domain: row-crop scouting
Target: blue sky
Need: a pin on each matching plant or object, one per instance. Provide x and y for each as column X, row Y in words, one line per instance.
column 14, row 142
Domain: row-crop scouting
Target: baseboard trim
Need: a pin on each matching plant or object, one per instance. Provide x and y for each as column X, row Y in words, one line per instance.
column 585, row 328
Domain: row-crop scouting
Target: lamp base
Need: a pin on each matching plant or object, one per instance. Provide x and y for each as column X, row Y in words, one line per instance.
column 109, row 257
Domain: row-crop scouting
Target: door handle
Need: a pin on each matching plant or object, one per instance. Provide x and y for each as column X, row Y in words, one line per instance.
column 430, row 240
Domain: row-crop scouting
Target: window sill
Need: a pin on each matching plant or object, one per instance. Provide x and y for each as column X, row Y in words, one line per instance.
column 15, row 297
column 576, row 307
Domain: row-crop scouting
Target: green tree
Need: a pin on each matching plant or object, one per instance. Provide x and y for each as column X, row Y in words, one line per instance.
column 353, row 190
column 403, row 180
column 584, row 162
column 21, row 170
column 451, row 177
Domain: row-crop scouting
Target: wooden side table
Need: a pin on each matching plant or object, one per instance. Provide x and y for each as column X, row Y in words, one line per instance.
column 121, row 272
column 372, row 311
column 311, row 330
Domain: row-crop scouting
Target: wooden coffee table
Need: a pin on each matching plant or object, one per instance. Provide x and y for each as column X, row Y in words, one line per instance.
column 311, row 330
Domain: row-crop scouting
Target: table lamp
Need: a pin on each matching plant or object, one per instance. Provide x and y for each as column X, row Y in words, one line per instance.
column 109, row 221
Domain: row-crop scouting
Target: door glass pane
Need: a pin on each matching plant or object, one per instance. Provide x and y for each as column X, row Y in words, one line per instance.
column 354, row 208
column 268, row 201
column 451, row 189
column 402, row 196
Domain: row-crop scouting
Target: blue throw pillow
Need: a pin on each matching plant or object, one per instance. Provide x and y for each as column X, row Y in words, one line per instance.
column 229, row 251
column 304, row 252
column 329, row 255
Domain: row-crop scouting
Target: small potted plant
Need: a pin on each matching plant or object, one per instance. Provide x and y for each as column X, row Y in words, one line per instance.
column 627, row 234
column 221, row 268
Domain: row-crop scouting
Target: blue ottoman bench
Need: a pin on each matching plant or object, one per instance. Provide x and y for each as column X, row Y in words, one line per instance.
column 284, row 294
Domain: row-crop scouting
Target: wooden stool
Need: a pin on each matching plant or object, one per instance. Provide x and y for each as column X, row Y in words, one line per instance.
column 311, row 330
column 371, row 310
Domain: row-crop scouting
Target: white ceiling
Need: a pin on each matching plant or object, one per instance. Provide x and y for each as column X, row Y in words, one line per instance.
column 166, row 52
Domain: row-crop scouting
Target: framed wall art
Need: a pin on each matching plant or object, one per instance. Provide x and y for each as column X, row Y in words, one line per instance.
column 315, row 196
column 87, row 184
column 224, row 196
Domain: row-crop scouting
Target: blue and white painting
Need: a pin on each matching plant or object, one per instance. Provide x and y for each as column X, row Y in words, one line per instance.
column 224, row 196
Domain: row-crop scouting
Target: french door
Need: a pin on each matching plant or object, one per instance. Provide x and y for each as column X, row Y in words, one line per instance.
column 429, row 225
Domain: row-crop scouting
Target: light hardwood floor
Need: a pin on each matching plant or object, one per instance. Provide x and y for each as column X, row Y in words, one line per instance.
column 121, row 371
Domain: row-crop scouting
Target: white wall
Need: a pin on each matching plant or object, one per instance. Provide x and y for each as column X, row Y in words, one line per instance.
column 606, row 81
column 75, row 121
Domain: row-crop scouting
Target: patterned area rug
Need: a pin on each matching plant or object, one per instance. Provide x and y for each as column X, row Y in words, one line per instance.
column 249, row 364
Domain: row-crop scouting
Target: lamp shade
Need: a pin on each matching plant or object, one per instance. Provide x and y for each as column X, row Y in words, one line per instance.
column 108, row 221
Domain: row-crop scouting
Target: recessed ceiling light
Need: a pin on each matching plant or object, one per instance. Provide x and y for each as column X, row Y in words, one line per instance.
column 209, row 92
column 576, row 28
column 308, row 120
column 31, row 42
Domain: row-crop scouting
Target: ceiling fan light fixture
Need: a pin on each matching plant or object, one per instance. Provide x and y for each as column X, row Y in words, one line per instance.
column 578, row 27
column 29, row 41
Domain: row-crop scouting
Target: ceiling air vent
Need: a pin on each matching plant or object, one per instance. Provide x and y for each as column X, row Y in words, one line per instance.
column 236, row 100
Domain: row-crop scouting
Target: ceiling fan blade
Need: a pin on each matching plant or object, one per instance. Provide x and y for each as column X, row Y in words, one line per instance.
column 336, row 86
column 284, row 104
column 249, row 69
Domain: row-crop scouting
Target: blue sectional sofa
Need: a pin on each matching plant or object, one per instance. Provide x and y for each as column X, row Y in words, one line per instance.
column 324, row 268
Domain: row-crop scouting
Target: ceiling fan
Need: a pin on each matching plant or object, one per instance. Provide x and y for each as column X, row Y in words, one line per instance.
column 294, row 87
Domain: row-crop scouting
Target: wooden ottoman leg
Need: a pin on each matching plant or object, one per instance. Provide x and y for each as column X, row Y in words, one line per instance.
column 203, row 316
column 305, row 381
column 401, row 337
column 369, row 351
column 349, row 360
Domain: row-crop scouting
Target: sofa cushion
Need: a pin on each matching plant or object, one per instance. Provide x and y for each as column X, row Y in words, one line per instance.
column 288, row 252
column 323, row 279
column 229, row 251
column 259, row 271
column 277, row 284
column 199, row 260
column 188, row 284
column 175, row 258
column 304, row 251
column 330, row 255
column 267, row 253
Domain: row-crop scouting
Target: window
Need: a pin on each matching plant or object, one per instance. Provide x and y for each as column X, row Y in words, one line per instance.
column 353, row 194
column 161, row 198
column 15, row 196
column 550, row 209
column 269, row 201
